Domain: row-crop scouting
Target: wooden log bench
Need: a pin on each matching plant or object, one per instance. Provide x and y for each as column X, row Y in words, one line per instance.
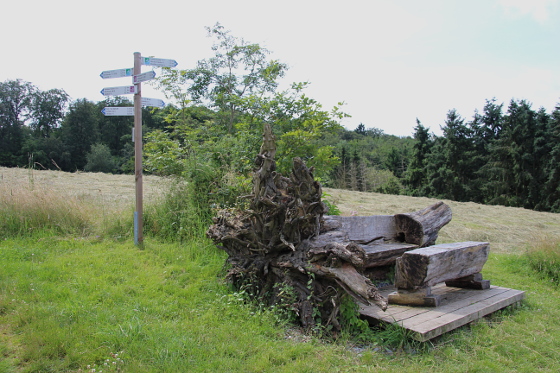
column 457, row 264
column 384, row 238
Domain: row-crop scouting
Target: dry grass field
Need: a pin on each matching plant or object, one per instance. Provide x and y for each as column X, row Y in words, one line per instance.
column 106, row 190
column 507, row 229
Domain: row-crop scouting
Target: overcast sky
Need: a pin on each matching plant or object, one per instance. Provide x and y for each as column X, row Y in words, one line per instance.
column 390, row 61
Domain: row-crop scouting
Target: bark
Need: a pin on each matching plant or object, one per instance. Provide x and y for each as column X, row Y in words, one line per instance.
column 422, row 227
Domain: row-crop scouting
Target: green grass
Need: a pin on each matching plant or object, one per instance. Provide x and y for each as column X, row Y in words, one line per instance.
column 68, row 303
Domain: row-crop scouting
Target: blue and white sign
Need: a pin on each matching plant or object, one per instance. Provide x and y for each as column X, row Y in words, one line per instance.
column 118, row 111
column 117, row 91
column 155, row 102
column 158, row 62
column 119, row 73
column 149, row 75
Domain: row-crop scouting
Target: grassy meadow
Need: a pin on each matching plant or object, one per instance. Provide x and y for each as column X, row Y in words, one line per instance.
column 76, row 295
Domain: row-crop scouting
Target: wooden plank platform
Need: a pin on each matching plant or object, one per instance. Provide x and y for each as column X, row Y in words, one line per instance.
column 458, row 307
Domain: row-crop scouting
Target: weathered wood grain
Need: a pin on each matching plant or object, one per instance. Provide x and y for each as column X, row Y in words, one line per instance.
column 385, row 253
column 422, row 227
column 363, row 229
column 459, row 307
column 431, row 265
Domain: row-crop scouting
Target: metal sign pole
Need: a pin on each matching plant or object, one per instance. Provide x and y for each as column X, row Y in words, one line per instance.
column 138, row 214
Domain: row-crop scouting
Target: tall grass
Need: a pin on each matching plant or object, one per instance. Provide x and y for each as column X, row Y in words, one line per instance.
column 544, row 257
column 25, row 211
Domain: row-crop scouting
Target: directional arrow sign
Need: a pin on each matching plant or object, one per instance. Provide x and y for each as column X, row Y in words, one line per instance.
column 118, row 111
column 159, row 62
column 156, row 102
column 119, row 73
column 149, row 75
column 115, row 91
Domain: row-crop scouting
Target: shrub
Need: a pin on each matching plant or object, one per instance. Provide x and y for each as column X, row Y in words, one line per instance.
column 99, row 159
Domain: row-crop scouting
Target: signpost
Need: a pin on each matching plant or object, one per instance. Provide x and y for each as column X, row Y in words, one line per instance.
column 119, row 73
column 137, row 78
column 118, row 111
column 117, row 91
column 155, row 102
column 159, row 62
column 139, row 212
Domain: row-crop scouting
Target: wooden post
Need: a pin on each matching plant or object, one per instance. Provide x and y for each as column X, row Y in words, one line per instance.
column 138, row 213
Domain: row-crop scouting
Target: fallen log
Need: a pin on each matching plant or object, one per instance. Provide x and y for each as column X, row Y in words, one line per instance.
column 422, row 227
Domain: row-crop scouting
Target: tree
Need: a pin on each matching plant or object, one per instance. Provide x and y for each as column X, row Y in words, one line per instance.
column 486, row 135
column 15, row 106
column 415, row 177
column 542, row 151
column 47, row 111
column 457, row 153
column 238, row 69
column 299, row 123
column 397, row 161
column 48, row 152
column 361, row 129
column 80, row 130
column 552, row 167
column 512, row 157
column 113, row 129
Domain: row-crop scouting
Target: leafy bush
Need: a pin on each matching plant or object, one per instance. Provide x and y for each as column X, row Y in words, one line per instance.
column 382, row 181
column 178, row 215
column 99, row 159
column 332, row 209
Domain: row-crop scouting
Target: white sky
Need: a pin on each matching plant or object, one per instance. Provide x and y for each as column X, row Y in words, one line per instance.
column 391, row 61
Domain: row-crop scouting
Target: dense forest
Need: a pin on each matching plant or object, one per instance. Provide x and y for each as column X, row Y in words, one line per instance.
column 211, row 134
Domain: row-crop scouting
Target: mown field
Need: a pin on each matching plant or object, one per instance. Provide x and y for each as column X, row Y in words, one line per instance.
column 77, row 296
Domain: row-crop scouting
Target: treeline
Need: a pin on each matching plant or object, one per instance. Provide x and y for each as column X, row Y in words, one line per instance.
column 210, row 137
column 501, row 156
column 44, row 130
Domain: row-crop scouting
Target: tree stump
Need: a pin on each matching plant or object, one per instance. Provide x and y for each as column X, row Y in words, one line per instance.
column 269, row 249
column 283, row 251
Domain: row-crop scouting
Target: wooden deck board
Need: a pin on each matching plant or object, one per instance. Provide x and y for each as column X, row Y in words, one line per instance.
column 458, row 307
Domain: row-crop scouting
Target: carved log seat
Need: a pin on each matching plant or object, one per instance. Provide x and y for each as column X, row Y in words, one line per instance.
column 457, row 264
column 384, row 238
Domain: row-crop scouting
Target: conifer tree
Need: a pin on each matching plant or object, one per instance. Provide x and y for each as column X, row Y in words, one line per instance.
column 415, row 176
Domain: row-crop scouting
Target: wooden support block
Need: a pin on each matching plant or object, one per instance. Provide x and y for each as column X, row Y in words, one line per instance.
column 474, row 281
column 431, row 265
column 420, row 297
